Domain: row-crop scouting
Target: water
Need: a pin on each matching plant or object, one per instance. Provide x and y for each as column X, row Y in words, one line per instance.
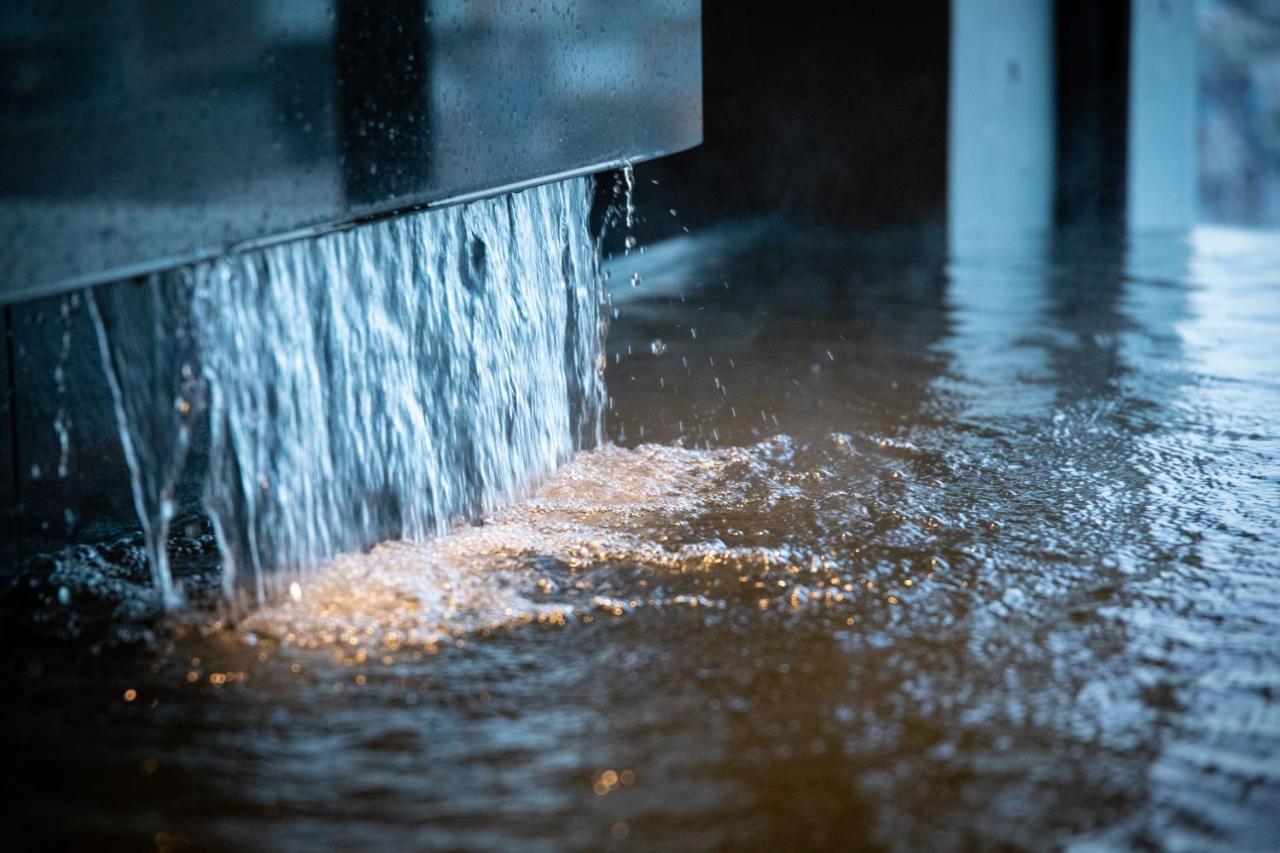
column 900, row 551
column 378, row 382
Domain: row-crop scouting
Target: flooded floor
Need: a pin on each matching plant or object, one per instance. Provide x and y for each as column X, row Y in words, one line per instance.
column 891, row 551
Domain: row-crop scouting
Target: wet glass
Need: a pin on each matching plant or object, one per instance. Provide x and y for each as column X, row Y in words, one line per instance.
column 138, row 136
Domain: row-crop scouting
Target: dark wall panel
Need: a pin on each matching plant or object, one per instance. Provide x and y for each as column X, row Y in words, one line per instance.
column 82, row 493
column 1092, row 52
column 834, row 115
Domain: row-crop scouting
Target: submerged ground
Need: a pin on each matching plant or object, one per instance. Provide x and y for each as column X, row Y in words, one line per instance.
column 930, row 553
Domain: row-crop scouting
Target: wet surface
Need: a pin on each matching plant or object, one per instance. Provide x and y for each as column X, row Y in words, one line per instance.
column 929, row 554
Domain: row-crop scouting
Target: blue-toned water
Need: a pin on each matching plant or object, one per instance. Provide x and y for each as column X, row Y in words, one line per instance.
column 379, row 382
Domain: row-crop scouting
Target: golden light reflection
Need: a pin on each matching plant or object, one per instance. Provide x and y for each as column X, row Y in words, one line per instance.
column 532, row 562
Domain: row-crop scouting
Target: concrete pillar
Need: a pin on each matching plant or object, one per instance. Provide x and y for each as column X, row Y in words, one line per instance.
column 1162, row 114
column 1000, row 155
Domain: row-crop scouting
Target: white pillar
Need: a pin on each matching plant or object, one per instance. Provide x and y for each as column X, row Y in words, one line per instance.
column 1000, row 151
column 1162, row 114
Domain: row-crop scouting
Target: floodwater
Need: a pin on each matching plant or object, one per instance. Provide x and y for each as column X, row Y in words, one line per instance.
column 890, row 551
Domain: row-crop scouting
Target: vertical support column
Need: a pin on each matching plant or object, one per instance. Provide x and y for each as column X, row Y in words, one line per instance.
column 1000, row 154
column 1162, row 114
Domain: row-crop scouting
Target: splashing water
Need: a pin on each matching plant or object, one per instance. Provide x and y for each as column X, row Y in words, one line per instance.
column 526, row 561
column 374, row 383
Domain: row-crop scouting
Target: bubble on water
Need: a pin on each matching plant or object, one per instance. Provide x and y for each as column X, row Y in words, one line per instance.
column 536, row 561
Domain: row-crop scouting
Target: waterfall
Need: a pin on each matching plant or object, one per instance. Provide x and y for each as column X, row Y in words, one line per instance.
column 380, row 382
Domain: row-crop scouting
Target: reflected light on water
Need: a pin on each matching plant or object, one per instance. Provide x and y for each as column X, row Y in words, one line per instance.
column 928, row 552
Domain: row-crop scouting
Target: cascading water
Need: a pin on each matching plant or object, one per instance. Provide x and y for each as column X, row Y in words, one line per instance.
column 369, row 384
column 148, row 343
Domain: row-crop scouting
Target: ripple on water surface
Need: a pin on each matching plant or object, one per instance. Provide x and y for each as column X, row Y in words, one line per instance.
column 1010, row 581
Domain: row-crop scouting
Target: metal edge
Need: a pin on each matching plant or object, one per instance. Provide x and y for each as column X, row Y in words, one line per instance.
column 202, row 255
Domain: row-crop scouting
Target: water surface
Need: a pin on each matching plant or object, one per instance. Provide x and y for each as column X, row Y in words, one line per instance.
column 891, row 551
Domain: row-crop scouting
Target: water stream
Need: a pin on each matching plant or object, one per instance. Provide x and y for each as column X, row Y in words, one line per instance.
column 375, row 383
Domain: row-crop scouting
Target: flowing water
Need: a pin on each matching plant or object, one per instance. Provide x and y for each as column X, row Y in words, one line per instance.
column 888, row 550
column 377, row 382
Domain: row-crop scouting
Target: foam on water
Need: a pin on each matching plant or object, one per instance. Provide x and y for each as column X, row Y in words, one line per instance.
column 375, row 383
column 514, row 567
column 613, row 530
